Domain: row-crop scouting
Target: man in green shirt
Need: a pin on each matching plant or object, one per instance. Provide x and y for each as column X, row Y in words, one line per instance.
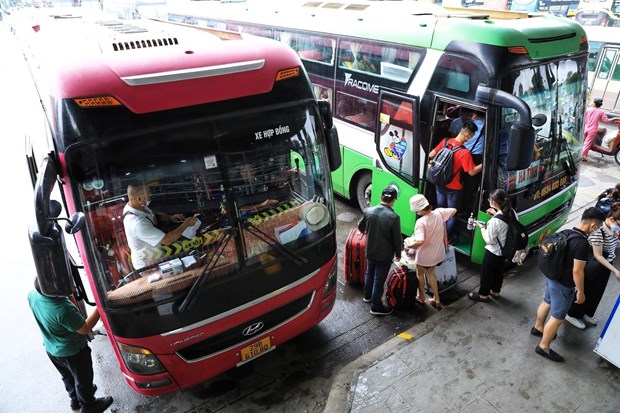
column 64, row 331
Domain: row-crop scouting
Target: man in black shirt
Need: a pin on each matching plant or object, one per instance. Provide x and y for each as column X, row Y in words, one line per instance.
column 383, row 244
column 560, row 293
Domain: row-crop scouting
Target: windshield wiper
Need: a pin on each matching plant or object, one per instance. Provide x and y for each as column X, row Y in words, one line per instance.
column 571, row 169
column 273, row 243
column 206, row 273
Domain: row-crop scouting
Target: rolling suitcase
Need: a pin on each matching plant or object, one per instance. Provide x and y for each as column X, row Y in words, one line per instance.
column 355, row 256
column 401, row 288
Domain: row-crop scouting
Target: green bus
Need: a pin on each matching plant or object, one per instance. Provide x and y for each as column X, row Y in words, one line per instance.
column 398, row 74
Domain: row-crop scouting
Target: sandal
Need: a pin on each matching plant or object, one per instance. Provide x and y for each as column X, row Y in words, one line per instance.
column 436, row 304
column 476, row 297
column 495, row 295
column 421, row 300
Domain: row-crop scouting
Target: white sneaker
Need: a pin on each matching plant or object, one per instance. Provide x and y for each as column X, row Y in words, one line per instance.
column 577, row 322
column 592, row 321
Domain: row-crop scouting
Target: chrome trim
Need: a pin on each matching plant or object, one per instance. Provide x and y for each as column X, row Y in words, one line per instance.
column 252, row 339
column 241, row 307
column 195, row 73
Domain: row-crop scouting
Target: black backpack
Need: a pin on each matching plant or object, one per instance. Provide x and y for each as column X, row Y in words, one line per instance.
column 516, row 238
column 441, row 168
column 552, row 253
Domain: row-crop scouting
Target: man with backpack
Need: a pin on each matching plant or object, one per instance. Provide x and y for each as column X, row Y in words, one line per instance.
column 562, row 258
column 451, row 152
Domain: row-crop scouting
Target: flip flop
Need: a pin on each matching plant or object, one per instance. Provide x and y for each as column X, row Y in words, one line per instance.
column 421, row 301
column 435, row 304
column 495, row 295
column 476, row 297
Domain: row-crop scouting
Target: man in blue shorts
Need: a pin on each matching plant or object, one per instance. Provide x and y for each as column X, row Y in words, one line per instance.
column 560, row 293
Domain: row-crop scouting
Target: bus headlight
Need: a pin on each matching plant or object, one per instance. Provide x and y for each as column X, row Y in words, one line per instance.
column 332, row 277
column 140, row 360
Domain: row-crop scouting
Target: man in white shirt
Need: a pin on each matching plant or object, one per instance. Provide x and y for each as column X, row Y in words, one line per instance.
column 141, row 222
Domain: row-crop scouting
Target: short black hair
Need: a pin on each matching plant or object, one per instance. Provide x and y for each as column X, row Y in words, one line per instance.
column 470, row 126
column 593, row 214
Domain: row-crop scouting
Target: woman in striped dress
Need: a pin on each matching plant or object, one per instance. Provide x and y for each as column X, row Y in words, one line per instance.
column 597, row 271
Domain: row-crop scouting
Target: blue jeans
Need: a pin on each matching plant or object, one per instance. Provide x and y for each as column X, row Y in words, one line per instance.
column 376, row 273
column 449, row 198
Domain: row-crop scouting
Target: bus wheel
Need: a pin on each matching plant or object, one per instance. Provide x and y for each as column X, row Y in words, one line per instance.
column 617, row 156
column 363, row 190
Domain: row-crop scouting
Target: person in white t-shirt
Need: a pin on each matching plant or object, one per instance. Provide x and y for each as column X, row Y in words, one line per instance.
column 494, row 233
column 141, row 225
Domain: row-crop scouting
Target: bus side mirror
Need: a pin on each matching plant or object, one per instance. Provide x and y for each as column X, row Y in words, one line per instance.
column 50, row 260
column 333, row 149
column 522, row 136
column 46, row 238
column 520, row 147
column 75, row 223
column 333, row 144
column 325, row 111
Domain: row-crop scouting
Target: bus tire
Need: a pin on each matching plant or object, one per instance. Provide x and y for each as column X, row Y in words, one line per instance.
column 617, row 156
column 363, row 190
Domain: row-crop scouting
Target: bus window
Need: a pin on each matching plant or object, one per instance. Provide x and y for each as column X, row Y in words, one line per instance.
column 595, row 47
column 391, row 62
column 616, row 71
column 313, row 48
column 457, row 76
column 356, row 110
column 323, row 93
column 253, row 30
column 605, row 68
column 396, row 139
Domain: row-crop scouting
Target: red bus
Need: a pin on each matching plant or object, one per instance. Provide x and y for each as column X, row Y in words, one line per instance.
column 214, row 126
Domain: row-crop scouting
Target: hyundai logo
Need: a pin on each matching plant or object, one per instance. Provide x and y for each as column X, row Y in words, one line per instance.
column 253, row 329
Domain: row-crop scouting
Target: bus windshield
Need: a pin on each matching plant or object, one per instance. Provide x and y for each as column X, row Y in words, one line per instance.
column 556, row 90
column 258, row 189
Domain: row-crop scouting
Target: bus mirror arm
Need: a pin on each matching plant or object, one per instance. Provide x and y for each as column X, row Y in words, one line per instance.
column 522, row 135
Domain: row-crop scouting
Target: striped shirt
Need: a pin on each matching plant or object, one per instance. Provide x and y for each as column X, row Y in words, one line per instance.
column 608, row 239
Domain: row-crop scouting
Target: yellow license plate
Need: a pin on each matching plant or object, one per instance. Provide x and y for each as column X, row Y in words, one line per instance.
column 255, row 349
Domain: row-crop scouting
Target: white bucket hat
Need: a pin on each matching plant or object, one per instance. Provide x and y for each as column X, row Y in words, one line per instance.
column 315, row 214
column 418, row 203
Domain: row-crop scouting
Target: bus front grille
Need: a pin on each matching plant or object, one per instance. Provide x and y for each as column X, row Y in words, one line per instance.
column 234, row 336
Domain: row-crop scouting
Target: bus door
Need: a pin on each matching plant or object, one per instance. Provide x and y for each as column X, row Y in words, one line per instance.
column 447, row 120
column 397, row 139
column 606, row 83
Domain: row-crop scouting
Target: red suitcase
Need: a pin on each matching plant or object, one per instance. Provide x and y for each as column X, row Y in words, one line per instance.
column 355, row 256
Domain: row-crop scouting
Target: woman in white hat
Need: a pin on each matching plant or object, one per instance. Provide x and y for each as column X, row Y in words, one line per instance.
column 430, row 239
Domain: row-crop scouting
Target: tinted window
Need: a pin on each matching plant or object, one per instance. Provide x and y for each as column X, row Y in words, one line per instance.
column 395, row 63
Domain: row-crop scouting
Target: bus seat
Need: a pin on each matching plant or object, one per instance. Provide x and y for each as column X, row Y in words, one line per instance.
column 106, row 223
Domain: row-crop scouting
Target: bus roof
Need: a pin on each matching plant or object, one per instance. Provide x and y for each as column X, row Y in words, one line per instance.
column 410, row 22
column 86, row 56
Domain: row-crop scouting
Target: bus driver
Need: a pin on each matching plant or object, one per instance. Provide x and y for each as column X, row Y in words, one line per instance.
column 140, row 224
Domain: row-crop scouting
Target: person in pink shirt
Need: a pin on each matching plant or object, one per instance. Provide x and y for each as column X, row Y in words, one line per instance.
column 430, row 239
column 594, row 115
